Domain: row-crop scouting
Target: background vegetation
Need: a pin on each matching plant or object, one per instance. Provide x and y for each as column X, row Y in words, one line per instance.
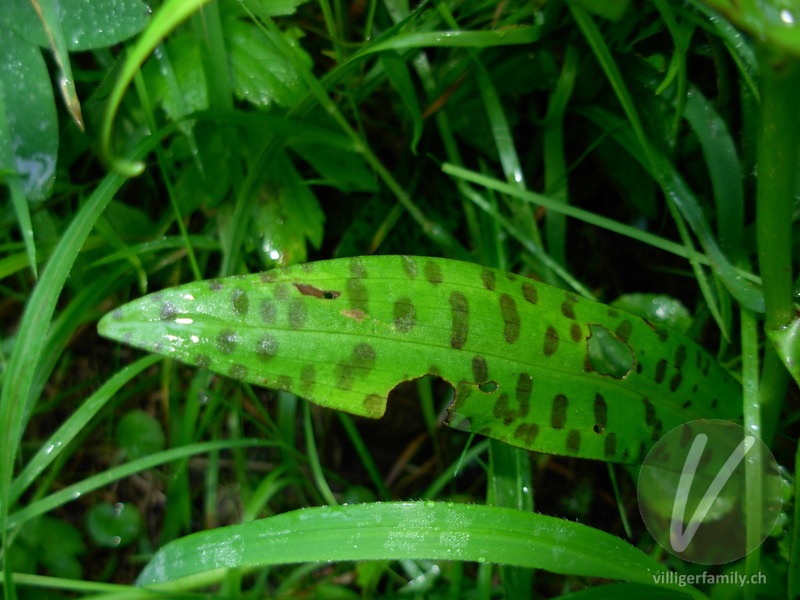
column 275, row 132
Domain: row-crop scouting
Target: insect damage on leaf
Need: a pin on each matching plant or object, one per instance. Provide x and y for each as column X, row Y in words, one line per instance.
column 531, row 365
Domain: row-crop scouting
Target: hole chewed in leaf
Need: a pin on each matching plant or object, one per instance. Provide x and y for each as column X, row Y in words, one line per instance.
column 488, row 387
column 310, row 290
column 607, row 354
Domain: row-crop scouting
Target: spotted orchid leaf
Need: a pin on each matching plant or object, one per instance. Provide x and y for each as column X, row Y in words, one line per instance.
column 532, row 365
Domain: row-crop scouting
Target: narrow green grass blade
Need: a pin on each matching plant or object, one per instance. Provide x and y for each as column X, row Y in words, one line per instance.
column 15, row 399
column 59, row 441
column 344, row 333
column 400, row 530
column 76, row 490
column 724, row 170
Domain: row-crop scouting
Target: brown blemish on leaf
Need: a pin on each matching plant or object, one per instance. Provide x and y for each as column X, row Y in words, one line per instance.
column 354, row 313
column 215, row 285
column 202, row 360
column 575, row 332
column 310, row 290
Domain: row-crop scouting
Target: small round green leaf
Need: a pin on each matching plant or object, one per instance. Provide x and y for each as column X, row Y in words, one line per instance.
column 113, row 525
column 139, row 434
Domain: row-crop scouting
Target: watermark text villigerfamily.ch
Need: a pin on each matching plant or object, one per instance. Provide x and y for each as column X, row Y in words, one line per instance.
column 684, row 579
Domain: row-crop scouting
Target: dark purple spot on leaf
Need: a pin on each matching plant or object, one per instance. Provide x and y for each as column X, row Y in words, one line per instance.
column 487, row 277
column 238, row 371
column 268, row 277
column 433, row 272
column 480, row 372
column 215, row 285
column 168, row 310
column 357, row 294
column 405, row 315
column 573, row 441
column 267, row 348
column 523, row 393
column 661, row 370
column 550, row 341
column 357, row 268
column 409, row 266
column 459, row 320
column 297, row 313
column 374, row 404
column 600, row 410
column 526, row 433
column 359, row 364
column 568, row 306
column 624, row 330
column 649, row 412
column 558, row 414
column 227, row 340
column 530, row 293
column 268, row 311
column 675, row 382
column 611, row 445
column 240, row 301
column 508, row 309
column 680, row 356
column 308, row 378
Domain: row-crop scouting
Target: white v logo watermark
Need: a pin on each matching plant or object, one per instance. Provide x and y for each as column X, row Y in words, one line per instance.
column 680, row 538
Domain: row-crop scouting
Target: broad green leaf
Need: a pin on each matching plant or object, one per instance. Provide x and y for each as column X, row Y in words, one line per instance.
column 87, row 24
column 343, row 333
column 31, row 127
column 398, row 530
column 140, row 434
column 113, row 525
